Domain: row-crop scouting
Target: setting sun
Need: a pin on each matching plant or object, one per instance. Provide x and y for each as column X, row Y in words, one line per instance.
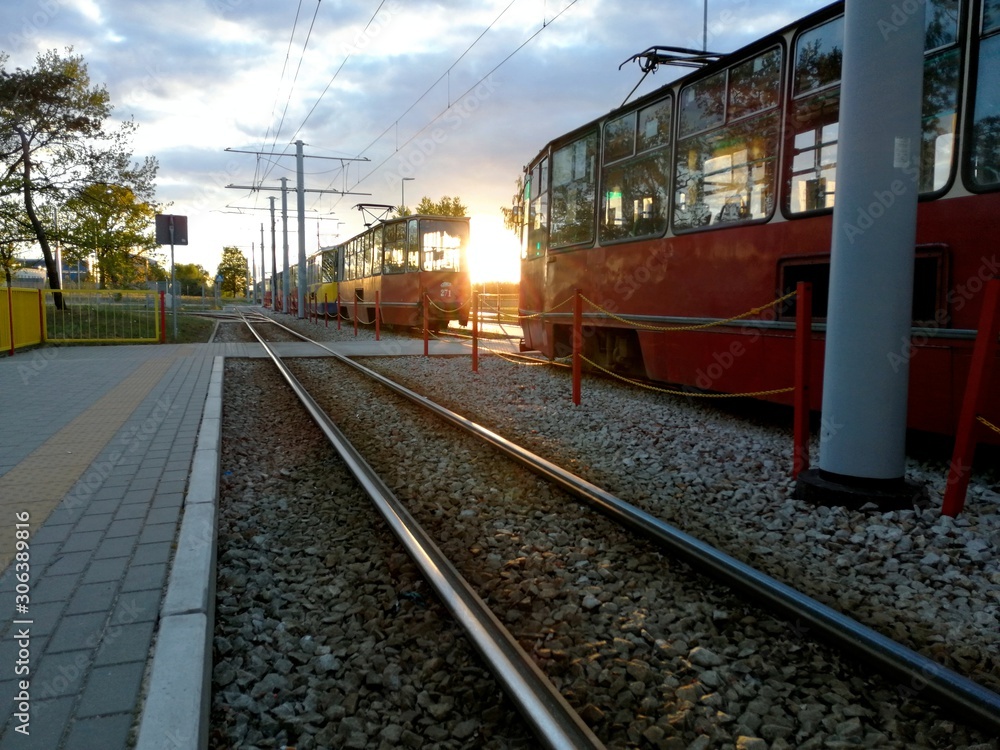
column 493, row 250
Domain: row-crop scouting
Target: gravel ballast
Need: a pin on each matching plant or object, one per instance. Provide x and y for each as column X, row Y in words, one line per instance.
column 929, row 582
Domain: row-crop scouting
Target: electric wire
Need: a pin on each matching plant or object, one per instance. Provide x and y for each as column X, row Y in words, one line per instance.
column 458, row 99
column 277, row 92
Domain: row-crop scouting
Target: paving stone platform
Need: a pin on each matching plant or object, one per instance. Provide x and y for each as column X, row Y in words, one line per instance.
column 108, row 472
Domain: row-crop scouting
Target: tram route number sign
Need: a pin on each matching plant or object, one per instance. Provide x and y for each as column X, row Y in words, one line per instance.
column 180, row 224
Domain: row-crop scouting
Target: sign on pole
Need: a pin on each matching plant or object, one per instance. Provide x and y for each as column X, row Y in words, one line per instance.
column 172, row 230
column 180, row 225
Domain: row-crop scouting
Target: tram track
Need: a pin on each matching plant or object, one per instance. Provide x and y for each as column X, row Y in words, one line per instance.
column 976, row 704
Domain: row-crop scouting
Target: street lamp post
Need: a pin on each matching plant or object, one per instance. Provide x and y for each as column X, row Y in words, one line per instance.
column 402, row 191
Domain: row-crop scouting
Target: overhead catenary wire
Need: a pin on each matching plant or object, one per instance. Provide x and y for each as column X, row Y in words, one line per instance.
column 459, row 98
column 295, row 78
column 281, row 78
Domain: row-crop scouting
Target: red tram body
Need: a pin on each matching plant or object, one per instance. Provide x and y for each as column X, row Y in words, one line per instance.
column 399, row 260
column 713, row 196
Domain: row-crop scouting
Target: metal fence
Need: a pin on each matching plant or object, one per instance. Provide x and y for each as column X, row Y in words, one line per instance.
column 101, row 316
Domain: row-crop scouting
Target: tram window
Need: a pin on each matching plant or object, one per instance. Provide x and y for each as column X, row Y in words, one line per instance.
column 941, row 23
column 814, row 156
column 412, row 246
column 377, row 251
column 654, row 126
column 634, row 190
column 984, row 169
column 574, row 182
column 443, row 244
column 330, row 265
column 991, row 16
column 366, row 255
column 537, row 197
column 818, row 56
column 813, row 124
column 940, row 105
column 619, row 138
column 349, row 261
column 395, row 248
column 754, row 85
column 702, row 104
column 727, row 175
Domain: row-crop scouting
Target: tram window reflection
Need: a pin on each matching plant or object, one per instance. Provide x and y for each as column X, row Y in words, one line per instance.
column 985, row 151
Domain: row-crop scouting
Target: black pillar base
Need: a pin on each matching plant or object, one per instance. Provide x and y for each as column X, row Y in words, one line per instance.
column 826, row 488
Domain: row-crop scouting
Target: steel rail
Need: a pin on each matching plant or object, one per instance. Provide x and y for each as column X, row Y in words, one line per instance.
column 917, row 673
column 554, row 721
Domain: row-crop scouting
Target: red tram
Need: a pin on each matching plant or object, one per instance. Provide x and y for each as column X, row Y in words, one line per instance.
column 400, row 260
column 713, row 196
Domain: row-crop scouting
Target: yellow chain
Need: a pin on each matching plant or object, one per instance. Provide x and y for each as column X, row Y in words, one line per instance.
column 434, row 304
column 700, row 326
column 545, row 312
column 989, row 424
column 512, row 358
column 649, row 387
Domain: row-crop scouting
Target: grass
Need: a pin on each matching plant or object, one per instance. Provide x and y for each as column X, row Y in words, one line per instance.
column 108, row 323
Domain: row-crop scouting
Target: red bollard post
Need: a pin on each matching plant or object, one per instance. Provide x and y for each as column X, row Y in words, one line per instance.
column 338, row 309
column 378, row 317
column 427, row 314
column 577, row 343
column 326, row 311
column 980, row 370
column 803, row 341
column 475, row 331
column 355, row 314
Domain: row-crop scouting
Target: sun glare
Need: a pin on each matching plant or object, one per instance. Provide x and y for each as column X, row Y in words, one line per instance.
column 493, row 250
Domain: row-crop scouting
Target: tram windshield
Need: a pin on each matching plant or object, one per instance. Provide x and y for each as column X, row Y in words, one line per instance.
column 443, row 244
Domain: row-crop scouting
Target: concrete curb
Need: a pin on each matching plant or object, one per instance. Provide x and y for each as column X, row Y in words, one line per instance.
column 181, row 677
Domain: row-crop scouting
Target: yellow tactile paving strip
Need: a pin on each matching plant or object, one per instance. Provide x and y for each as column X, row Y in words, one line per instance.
column 43, row 478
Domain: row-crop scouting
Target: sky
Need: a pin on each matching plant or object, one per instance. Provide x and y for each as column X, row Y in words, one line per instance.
column 454, row 95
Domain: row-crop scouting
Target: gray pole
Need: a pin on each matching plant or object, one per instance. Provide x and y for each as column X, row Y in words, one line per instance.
column 274, row 262
column 301, row 198
column 263, row 265
column 173, row 280
column 286, row 282
column 862, row 440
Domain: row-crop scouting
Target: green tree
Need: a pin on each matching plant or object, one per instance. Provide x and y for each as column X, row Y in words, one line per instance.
column 191, row 277
column 53, row 141
column 111, row 222
column 233, row 270
column 447, row 206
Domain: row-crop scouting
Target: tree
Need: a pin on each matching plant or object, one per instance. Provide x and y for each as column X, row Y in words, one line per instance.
column 11, row 238
column 233, row 270
column 53, row 141
column 111, row 222
column 447, row 206
column 191, row 277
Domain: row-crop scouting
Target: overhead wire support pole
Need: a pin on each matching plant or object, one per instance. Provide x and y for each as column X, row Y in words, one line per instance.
column 300, row 203
column 274, row 264
column 301, row 206
column 286, row 285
